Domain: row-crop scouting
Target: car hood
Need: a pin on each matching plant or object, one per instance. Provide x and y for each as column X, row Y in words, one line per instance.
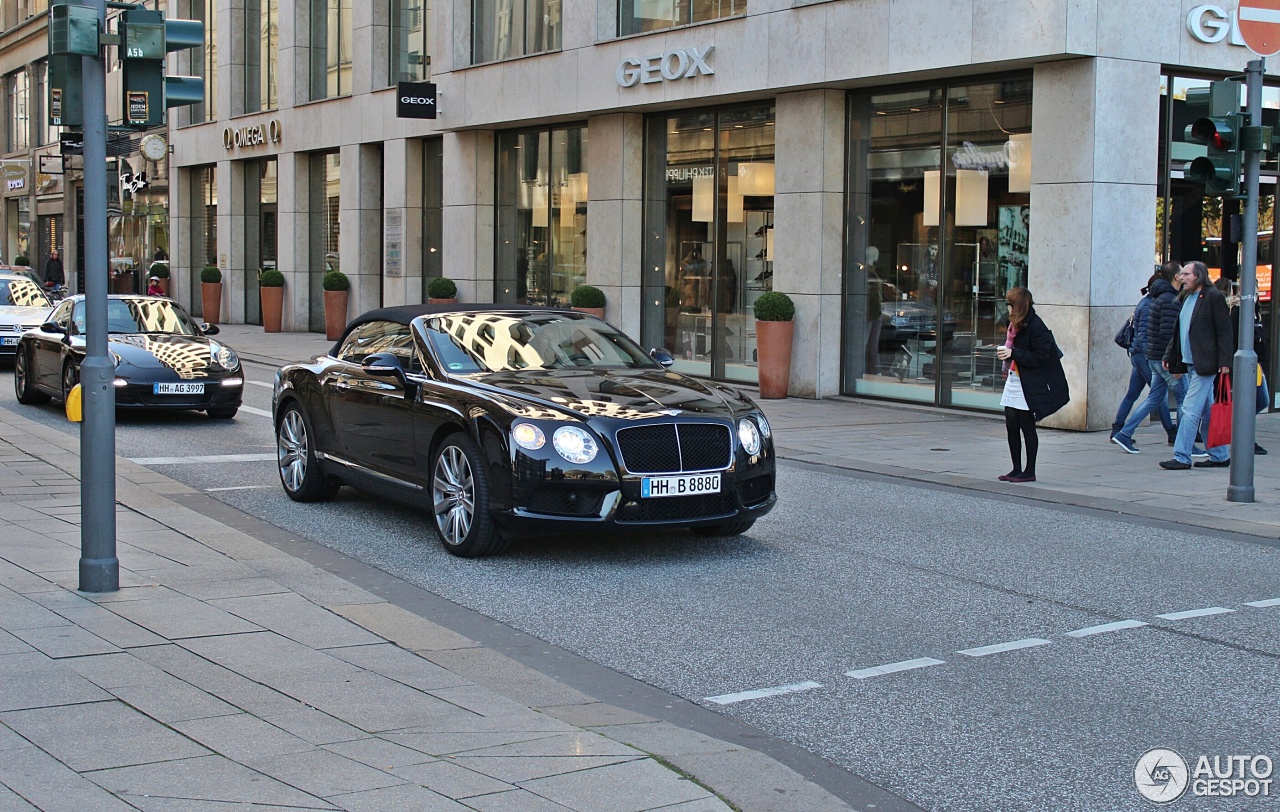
column 30, row 316
column 628, row 394
column 186, row 355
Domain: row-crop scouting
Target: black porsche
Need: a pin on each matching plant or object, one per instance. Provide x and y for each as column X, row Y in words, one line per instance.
column 163, row 359
column 510, row 421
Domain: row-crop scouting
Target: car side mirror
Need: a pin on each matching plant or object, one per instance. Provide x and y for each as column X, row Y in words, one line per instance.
column 53, row 327
column 383, row 365
column 662, row 356
column 209, row 329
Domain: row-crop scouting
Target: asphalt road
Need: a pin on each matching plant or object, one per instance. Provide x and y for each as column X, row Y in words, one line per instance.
column 851, row 574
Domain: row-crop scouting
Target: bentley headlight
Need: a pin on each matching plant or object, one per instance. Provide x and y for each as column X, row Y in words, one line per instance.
column 224, row 357
column 528, row 436
column 764, row 426
column 749, row 436
column 574, row 444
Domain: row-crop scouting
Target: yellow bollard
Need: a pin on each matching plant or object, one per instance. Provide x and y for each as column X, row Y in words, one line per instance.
column 75, row 404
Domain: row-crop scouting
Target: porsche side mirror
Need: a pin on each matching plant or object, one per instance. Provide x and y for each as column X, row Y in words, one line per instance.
column 662, row 356
column 53, row 327
column 209, row 329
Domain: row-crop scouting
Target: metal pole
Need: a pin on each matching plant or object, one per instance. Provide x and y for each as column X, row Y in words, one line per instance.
column 99, row 567
column 1244, row 367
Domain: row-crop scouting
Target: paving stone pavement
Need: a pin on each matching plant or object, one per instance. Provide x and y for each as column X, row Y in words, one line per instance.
column 226, row 674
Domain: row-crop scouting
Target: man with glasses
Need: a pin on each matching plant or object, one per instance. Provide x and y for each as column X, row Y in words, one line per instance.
column 1201, row 349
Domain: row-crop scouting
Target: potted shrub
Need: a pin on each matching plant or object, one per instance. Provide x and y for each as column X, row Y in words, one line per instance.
column 774, row 312
column 271, row 290
column 211, row 293
column 588, row 299
column 337, row 288
column 160, row 270
column 442, row 290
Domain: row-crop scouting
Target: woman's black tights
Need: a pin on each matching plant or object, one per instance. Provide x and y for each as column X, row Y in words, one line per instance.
column 1021, row 425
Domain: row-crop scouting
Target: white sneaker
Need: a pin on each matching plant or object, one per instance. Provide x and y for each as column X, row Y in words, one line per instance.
column 1199, row 454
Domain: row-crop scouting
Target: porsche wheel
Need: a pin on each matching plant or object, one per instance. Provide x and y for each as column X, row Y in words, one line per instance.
column 24, row 385
column 460, row 500
column 70, row 377
column 300, row 472
column 725, row 528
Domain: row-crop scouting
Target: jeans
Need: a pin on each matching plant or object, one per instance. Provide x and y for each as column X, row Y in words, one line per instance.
column 1158, row 401
column 1139, row 379
column 1193, row 419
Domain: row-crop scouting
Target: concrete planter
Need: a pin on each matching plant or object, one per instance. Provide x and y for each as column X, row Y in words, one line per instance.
column 335, row 313
column 211, row 301
column 773, row 349
column 272, row 308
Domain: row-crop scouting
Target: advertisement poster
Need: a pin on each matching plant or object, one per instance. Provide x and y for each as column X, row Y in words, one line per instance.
column 1011, row 247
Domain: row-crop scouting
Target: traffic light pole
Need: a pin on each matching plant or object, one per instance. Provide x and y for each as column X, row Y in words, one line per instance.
column 99, row 567
column 1244, row 367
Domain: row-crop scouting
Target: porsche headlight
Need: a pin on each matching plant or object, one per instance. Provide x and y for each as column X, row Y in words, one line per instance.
column 749, row 436
column 528, row 436
column 574, row 444
column 223, row 356
column 764, row 426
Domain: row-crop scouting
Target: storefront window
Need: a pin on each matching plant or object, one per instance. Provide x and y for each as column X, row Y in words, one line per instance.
column 204, row 228
column 542, row 216
column 708, row 252
column 502, row 29
column 262, row 21
column 330, row 48
column 432, row 211
column 408, row 41
column 137, row 222
column 939, row 214
column 260, row 230
column 637, row 16
column 17, row 228
column 326, row 200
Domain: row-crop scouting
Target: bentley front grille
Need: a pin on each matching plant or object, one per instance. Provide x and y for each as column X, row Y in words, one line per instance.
column 672, row 448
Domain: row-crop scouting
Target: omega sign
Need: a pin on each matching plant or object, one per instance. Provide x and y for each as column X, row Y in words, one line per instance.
column 678, row 63
column 253, row 135
column 1210, row 24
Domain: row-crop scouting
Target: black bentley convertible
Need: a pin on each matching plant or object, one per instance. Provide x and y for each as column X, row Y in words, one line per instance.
column 509, row 421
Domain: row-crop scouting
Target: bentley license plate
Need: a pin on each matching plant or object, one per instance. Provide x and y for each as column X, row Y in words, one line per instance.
column 687, row 485
column 178, row 388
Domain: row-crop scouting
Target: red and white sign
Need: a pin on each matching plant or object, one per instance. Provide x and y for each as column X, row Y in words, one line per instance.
column 1259, row 22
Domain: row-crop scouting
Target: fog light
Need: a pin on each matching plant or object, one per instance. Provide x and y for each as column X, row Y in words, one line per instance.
column 233, row 381
column 119, row 382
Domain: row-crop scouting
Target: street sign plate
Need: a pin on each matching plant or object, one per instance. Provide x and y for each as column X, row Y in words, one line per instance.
column 1259, row 22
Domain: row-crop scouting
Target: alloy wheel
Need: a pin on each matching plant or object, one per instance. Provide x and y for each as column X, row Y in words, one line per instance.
column 20, row 373
column 453, row 492
column 292, row 450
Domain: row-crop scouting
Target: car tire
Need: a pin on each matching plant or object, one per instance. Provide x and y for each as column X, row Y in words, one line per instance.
column 724, row 528
column 222, row 414
column 460, row 500
column 300, row 472
column 70, row 377
column 23, row 384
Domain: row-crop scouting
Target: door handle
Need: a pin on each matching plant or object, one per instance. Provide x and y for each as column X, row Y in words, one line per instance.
column 342, row 386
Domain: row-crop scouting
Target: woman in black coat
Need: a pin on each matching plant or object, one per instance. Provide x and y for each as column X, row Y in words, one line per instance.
column 1036, row 386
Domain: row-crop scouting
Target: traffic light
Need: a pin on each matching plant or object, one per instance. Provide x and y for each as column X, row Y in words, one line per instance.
column 1219, row 169
column 145, row 38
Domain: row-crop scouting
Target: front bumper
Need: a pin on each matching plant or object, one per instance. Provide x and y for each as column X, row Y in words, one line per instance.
column 215, row 396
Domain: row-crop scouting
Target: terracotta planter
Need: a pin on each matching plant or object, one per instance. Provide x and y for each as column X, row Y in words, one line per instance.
column 454, row 300
column 273, row 308
column 335, row 313
column 773, row 349
column 164, row 286
column 598, row 312
column 122, row 283
column 211, row 301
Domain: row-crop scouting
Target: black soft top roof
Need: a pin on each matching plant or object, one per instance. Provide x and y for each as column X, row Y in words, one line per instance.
column 404, row 314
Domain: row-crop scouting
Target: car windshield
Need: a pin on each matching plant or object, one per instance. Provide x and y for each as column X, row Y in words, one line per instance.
column 22, row 293
column 144, row 316
column 505, row 342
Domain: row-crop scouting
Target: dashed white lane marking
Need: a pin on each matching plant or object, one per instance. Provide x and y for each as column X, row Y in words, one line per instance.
column 260, row 383
column 729, row 699
column 998, row 648
column 1106, row 627
column 1264, row 604
column 251, row 410
column 893, row 668
column 1190, row 613
column 237, row 488
column 204, row 459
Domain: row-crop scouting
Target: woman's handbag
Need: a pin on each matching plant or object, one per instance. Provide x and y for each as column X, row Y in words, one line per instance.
column 1124, row 338
column 1220, row 414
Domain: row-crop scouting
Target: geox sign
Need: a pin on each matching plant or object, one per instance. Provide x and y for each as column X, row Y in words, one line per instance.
column 678, row 63
column 416, row 100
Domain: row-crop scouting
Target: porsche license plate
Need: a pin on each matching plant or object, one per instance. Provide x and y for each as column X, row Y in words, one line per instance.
column 178, row 388
column 652, row 487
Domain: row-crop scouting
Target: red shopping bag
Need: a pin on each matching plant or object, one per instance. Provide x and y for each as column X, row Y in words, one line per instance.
column 1220, row 414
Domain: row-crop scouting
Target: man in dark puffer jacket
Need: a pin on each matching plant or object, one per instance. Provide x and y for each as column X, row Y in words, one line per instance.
column 1162, row 323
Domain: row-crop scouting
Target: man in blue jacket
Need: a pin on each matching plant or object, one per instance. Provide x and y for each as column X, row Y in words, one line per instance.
column 1201, row 349
column 1161, row 323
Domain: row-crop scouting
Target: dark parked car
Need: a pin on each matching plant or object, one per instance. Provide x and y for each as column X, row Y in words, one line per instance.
column 163, row 359
column 508, row 421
